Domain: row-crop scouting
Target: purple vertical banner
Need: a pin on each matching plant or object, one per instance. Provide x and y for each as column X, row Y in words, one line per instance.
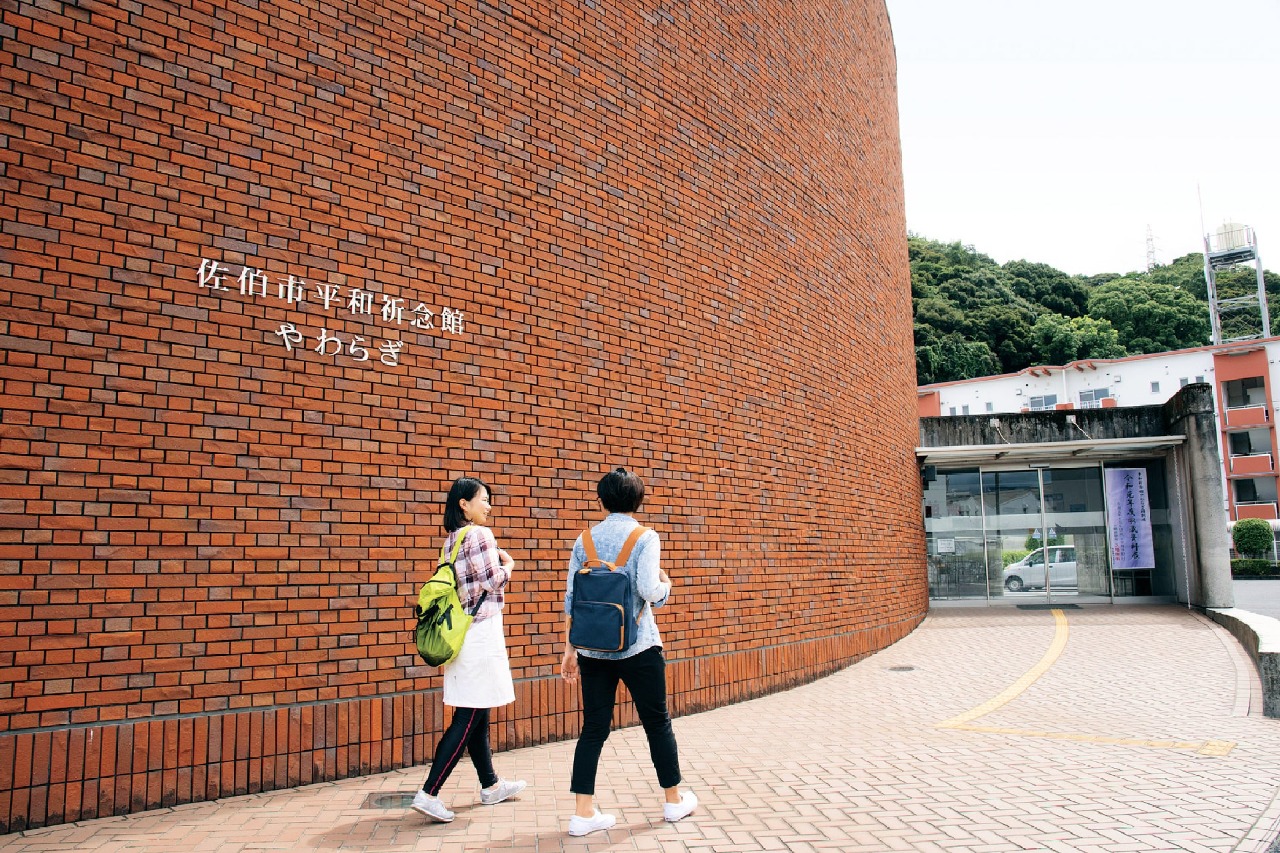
column 1129, row 519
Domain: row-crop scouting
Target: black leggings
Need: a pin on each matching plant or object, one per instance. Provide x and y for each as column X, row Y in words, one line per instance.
column 645, row 676
column 468, row 730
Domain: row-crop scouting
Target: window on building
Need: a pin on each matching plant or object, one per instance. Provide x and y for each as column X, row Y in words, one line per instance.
column 1040, row 404
column 1092, row 398
column 1257, row 490
column 1199, row 378
column 953, row 411
column 1244, row 393
column 1184, row 382
column 991, row 407
column 1240, row 444
column 1155, row 387
column 1249, row 442
column 964, row 410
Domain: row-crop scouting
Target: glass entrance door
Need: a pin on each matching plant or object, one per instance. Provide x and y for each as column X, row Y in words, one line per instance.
column 1046, row 535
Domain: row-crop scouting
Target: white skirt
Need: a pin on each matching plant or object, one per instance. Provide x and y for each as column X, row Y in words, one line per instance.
column 480, row 677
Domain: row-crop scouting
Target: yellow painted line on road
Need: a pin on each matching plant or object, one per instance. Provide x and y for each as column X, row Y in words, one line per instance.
column 1061, row 633
column 1216, row 748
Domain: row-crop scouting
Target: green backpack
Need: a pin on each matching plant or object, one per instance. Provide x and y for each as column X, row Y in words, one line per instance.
column 442, row 623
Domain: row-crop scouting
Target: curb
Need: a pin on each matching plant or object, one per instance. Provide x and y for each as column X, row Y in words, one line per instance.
column 1260, row 636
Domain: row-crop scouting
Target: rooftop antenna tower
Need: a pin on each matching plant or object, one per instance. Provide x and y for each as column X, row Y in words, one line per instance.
column 1234, row 312
column 1151, row 250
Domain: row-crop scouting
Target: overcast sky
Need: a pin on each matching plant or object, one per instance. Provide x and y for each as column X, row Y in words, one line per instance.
column 1058, row 132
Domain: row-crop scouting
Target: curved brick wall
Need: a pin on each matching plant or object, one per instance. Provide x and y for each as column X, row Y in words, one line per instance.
column 529, row 240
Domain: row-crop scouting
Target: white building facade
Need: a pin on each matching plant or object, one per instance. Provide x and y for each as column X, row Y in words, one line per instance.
column 1241, row 374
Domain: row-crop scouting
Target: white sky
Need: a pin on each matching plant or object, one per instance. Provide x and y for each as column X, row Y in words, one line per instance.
column 1058, row 132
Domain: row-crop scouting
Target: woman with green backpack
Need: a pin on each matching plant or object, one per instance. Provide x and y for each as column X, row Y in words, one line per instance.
column 480, row 677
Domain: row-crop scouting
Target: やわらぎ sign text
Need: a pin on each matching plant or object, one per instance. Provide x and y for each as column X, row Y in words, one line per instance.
column 360, row 304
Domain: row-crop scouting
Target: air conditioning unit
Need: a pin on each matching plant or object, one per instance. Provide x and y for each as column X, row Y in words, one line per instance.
column 1017, row 392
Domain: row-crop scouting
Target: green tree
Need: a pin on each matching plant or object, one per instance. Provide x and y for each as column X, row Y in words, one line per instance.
column 1252, row 537
column 1186, row 272
column 1048, row 288
column 1061, row 340
column 1033, row 540
column 1006, row 328
column 1150, row 316
column 949, row 357
column 934, row 312
column 974, row 317
column 1091, row 281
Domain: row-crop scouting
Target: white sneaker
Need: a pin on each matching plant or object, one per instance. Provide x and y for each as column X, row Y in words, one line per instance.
column 673, row 812
column 595, row 823
column 432, row 807
column 501, row 791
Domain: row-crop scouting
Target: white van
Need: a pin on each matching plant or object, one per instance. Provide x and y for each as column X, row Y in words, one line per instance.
column 1028, row 573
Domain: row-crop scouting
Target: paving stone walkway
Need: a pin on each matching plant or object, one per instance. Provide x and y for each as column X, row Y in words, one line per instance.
column 1126, row 728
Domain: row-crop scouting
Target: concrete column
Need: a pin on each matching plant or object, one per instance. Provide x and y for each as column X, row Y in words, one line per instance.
column 1212, row 563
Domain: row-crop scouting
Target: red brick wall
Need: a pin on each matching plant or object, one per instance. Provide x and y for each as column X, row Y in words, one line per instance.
column 675, row 235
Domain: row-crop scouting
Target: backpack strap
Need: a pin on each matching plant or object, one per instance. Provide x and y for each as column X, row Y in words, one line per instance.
column 453, row 561
column 625, row 554
column 453, row 558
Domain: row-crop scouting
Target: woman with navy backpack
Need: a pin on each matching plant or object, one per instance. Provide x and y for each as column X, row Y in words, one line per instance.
column 640, row 665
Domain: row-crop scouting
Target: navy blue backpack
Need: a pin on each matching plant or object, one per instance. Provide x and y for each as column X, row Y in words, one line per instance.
column 602, row 615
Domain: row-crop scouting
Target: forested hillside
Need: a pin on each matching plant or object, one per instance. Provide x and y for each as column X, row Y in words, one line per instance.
column 975, row 317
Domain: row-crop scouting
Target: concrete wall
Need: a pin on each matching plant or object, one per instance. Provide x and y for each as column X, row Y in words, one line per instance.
column 1195, row 466
column 1260, row 636
column 272, row 274
column 1034, row 427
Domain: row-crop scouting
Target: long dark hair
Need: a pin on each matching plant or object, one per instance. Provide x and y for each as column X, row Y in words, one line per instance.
column 463, row 489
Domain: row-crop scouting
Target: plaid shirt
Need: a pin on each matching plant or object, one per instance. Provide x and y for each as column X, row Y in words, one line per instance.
column 479, row 570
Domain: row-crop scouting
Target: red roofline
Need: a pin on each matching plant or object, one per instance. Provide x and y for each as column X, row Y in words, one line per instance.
column 1093, row 363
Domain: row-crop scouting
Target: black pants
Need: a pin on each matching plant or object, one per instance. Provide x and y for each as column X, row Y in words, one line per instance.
column 645, row 676
column 468, row 730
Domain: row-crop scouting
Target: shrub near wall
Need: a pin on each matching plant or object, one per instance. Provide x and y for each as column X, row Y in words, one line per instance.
column 271, row 275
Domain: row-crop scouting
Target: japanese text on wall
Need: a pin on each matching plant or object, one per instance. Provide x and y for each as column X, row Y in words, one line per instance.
column 361, row 304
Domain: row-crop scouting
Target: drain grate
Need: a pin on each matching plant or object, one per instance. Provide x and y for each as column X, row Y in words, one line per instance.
column 397, row 800
column 1048, row 606
column 901, row 668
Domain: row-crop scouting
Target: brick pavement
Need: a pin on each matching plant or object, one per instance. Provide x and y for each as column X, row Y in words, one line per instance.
column 1132, row 728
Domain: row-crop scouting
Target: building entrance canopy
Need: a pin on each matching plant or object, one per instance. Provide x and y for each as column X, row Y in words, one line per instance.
column 1048, row 451
column 1002, row 491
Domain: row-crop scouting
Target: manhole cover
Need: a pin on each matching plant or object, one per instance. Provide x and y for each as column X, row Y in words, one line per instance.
column 388, row 801
column 901, row 668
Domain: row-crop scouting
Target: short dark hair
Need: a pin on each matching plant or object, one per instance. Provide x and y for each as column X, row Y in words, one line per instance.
column 463, row 489
column 620, row 491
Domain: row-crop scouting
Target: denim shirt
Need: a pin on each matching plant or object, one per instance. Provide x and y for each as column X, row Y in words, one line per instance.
column 642, row 567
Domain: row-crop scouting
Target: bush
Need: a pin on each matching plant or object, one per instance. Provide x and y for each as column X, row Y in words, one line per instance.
column 1252, row 568
column 1252, row 537
column 1033, row 542
column 1011, row 557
